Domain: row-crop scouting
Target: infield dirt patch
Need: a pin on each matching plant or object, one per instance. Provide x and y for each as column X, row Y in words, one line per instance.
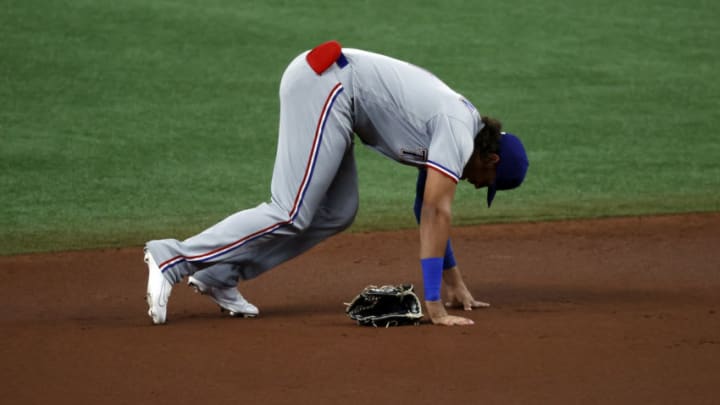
column 616, row 311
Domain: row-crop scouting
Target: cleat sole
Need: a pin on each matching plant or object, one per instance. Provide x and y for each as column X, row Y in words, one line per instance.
column 242, row 315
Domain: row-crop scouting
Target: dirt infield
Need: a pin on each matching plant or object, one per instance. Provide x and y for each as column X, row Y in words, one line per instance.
column 618, row 311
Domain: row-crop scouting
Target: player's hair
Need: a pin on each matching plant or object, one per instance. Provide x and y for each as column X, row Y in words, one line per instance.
column 487, row 141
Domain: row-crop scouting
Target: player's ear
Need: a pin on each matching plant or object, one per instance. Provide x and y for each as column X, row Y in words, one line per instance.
column 492, row 159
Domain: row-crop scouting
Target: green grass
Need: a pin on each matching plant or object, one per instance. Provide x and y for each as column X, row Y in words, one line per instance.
column 127, row 121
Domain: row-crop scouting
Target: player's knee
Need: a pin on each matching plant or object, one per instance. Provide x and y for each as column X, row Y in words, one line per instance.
column 342, row 219
column 350, row 215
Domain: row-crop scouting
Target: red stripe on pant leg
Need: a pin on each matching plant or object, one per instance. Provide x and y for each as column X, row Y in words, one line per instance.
column 313, row 151
column 220, row 249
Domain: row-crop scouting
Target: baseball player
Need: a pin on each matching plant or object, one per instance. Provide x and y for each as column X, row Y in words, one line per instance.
column 327, row 95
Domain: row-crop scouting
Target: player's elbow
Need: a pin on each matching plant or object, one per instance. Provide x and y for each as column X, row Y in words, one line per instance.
column 434, row 213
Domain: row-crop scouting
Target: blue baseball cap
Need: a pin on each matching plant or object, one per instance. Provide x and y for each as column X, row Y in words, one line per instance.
column 511, row 168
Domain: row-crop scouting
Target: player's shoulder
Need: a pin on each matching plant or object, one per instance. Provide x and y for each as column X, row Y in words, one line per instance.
column 459, row 109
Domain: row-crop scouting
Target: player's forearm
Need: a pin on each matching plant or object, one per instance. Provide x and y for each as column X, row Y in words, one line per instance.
column 452, row 277
column 434, row 231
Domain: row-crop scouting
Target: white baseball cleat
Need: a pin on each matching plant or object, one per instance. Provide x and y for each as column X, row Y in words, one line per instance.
column 229, row 299
column 158, row 291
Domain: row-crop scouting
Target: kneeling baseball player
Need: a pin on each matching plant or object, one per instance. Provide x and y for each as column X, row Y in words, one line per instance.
column 327, row 95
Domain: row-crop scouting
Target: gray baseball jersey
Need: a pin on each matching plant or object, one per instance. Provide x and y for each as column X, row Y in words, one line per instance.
column 411, row 116
column 396, row 108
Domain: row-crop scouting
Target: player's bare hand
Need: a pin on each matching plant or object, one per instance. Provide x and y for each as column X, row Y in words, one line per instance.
column 452, row 320
column 458, row 296
column 439, row 316
column 463, row 299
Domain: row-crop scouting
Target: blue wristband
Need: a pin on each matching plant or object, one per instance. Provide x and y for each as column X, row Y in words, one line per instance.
column 432, row 268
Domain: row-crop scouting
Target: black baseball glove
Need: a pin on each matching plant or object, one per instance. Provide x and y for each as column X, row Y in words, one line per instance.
column 389, row 305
